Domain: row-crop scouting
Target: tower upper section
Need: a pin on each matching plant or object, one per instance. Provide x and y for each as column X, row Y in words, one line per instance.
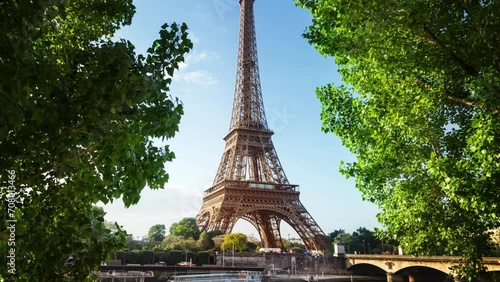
column 248, row 107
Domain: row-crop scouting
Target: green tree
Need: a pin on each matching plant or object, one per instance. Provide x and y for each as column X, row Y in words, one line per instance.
column 360, row 241
column 180, row 243
column 367, row 240
column 78, row 115
column 171, row 242
column 253, row 240
column 186, row 228
column 236, row 241
column 251, row 247
column 336, row 234
column 350, row 243
column 190, row 244
column 420, row 112
column 206, row 241
column 132, row 244
column 157, row 232
column 215, row 233
column 218, row 240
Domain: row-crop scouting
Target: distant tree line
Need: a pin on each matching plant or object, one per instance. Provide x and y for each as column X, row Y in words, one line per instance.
column 185, row 236
column 363, row 241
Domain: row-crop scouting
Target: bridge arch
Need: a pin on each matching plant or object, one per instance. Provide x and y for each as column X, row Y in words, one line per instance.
column 366, row 269
column 397, row 263
column 422, row 273
column 441, row 268
column 414, row 266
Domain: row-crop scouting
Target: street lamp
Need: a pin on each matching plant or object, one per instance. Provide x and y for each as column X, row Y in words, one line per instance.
column 233, row 254
column 364, row 248
column 125, row 258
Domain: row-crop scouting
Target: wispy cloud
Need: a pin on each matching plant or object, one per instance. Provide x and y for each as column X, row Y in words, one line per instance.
column 198, row 57
column 183, row 190
column 201, row 78
column 198, row 77
column 193, row 37
column 195, row 58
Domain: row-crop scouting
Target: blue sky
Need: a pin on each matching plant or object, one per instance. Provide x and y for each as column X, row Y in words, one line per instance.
column 290, row 70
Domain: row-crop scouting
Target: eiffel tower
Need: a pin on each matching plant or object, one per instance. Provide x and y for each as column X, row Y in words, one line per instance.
column 250, row 183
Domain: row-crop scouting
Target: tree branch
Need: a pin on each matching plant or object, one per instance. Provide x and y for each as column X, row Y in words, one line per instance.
column 465, row 102
column 60, row 163
column 469, row 70
column 452, row 97
column 436, row 150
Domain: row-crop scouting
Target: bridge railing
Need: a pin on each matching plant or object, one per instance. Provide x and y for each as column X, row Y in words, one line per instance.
column 493, row 260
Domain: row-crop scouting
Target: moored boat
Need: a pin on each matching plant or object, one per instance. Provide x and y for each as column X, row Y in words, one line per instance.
column 250, row 276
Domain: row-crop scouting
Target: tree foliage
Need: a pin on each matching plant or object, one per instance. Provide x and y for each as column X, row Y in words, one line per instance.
column 186, row 228
column 234, row 241
column 218, row 240
column 78, row 115
column 336, row 234
column 421, row 113
column 362, row 241
column 286, row 244
column 172, row 242
column 206, row 241
column 157, row 232
column 131, row 243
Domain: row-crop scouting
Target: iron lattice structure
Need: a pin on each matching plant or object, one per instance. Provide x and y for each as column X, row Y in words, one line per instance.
column 250, row 183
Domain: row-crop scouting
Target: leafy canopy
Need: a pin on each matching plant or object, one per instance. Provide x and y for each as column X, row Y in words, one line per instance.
column 421, row 113
column 172, row 243
column 206, row 241
column 186, row 228
column 157, row 232
column 234, row 241
column 78, row 115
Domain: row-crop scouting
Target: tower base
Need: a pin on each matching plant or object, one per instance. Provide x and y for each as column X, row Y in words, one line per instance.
column 265, row 206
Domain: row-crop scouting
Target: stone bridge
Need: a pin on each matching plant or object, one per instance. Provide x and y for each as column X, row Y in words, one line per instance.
column 397, row 265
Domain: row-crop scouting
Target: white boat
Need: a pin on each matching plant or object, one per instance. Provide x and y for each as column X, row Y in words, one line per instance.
column 250, row 276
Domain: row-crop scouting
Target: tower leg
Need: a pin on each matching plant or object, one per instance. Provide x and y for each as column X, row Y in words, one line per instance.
column 269, row 230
